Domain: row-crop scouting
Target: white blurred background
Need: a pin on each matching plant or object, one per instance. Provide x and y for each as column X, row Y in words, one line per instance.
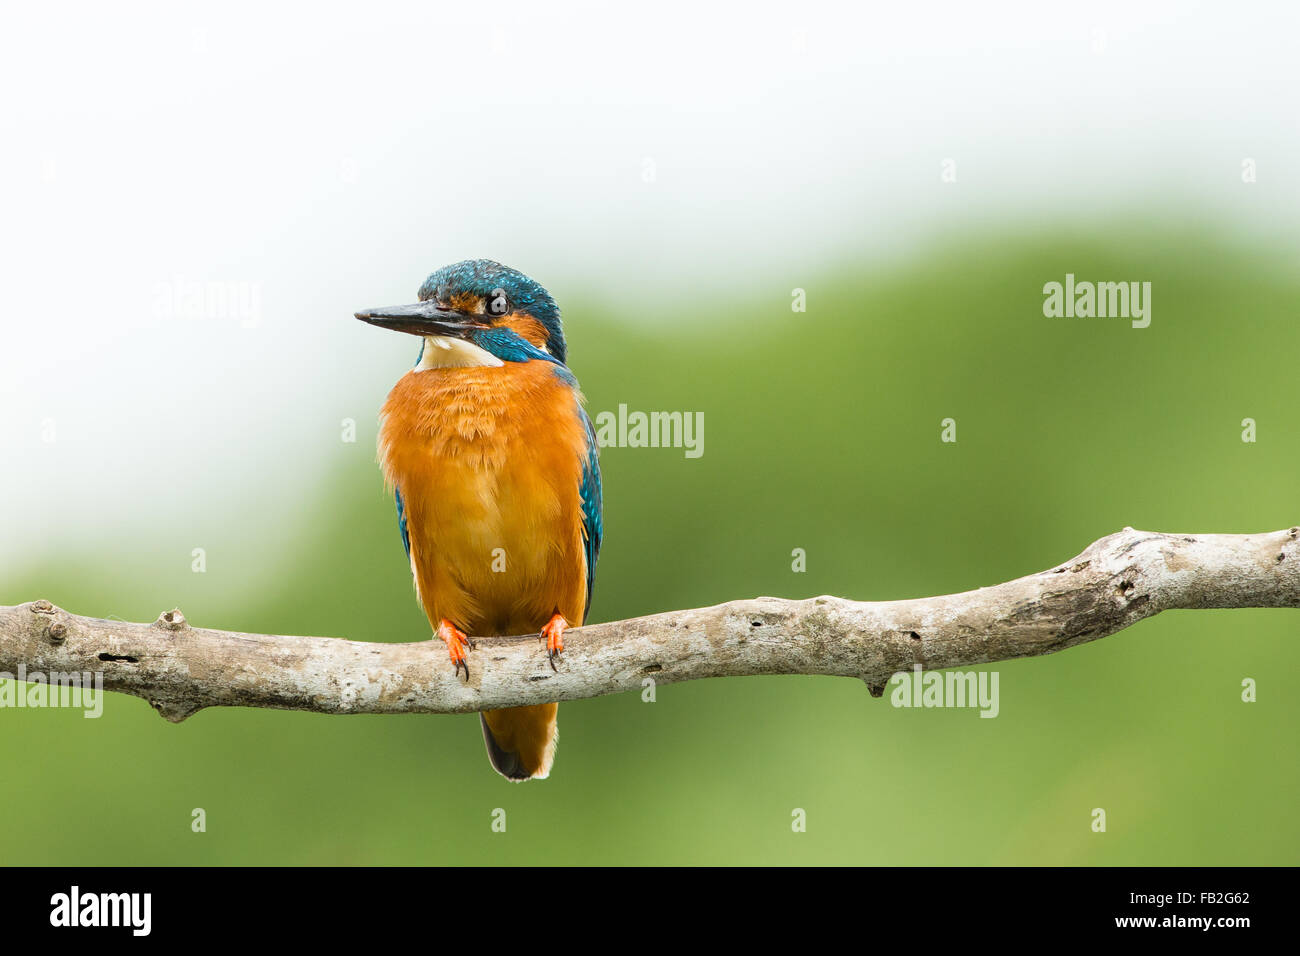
column 292, row 164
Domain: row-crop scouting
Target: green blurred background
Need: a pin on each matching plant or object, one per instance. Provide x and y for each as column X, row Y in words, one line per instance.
column 821, row 432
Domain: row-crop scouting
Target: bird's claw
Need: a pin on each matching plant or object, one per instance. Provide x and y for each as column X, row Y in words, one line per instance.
column 457, row 643
column 553, row 632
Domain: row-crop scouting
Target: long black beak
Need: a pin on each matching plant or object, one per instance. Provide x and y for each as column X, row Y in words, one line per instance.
column 422, row 318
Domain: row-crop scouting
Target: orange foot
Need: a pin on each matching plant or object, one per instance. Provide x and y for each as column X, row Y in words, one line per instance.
column 457, row 643
column 554, row 634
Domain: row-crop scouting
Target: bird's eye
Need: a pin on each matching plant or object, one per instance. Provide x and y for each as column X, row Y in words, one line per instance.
column 498, row 304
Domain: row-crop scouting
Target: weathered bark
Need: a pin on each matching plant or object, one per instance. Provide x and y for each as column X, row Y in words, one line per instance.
column 1115, row 583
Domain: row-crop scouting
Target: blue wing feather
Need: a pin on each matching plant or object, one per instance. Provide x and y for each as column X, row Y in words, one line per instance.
column 590, row 490
column 401, row 524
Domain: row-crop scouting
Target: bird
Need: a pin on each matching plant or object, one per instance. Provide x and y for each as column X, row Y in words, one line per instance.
column 494, row 466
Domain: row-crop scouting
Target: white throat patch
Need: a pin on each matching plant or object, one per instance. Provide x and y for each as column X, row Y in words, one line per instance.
column 442, row 351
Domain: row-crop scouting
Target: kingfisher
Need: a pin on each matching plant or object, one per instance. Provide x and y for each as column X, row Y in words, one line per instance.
column 494, row 466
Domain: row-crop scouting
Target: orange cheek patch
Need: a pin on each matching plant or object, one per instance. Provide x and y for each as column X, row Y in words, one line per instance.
column 526, row 327
column 465, row 302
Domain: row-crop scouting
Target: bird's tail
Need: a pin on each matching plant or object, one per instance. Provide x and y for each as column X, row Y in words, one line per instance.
column 521, row 740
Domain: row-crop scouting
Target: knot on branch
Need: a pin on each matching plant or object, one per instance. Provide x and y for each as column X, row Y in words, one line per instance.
column 172, row 620
column 174, row 711
column 56, row 630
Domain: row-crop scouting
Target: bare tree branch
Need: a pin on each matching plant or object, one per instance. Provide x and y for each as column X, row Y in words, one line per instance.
column 1115, row 583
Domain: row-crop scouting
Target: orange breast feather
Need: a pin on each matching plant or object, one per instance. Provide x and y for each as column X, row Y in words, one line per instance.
column 489, row 463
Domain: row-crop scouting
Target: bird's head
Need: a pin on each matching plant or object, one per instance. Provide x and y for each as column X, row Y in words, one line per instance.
column 483, row 305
